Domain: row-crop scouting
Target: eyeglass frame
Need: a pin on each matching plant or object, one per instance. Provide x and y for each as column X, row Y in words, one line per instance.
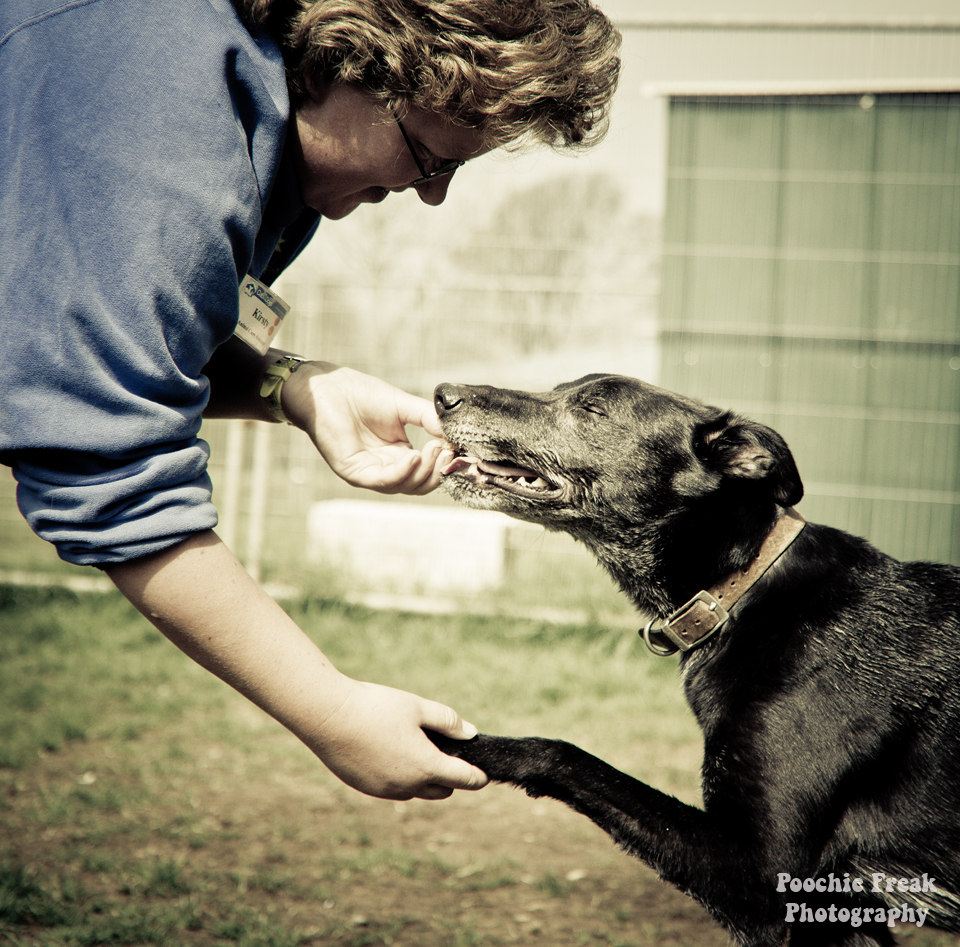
column 448, row 167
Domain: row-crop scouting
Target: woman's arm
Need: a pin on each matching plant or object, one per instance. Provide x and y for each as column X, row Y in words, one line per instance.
column 201, row 598
column 356, row 421
column 370, row 736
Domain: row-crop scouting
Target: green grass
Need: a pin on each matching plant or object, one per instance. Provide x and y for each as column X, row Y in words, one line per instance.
column 74, row 668
column 142, row 802
column 131, row 780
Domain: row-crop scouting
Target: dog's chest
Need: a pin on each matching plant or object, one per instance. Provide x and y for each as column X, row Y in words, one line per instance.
column 705, row 689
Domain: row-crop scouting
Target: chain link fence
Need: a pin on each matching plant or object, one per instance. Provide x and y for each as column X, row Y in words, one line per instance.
column 538, row 269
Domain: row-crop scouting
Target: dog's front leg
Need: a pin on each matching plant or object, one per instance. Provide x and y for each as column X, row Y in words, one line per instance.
column 719, row 865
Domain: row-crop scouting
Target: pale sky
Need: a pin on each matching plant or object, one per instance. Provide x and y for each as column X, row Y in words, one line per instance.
column 633, row 155
column 656, row 61
column 870, row 10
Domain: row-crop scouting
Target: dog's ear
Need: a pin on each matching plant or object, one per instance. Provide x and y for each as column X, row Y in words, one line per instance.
column 737, row 448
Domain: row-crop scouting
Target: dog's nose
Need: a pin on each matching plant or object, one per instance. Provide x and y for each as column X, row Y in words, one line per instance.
column 447, row 398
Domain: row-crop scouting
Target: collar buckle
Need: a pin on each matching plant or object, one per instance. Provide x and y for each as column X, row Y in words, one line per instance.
column 693, row 622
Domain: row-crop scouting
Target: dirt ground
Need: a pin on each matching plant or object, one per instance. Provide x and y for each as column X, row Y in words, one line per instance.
column 329, row 865
column 277, row 855
column 521, row 871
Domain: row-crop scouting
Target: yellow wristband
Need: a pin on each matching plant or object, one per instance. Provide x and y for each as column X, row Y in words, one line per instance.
column 273, row 379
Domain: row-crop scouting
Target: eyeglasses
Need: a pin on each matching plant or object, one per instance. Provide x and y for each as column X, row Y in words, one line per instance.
column 446, row 167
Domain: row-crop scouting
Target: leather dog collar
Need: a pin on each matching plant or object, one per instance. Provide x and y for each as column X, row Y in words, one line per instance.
column 696, row 620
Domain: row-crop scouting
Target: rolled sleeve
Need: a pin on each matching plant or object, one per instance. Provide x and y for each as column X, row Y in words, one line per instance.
column 140, row 150
column 99, row 511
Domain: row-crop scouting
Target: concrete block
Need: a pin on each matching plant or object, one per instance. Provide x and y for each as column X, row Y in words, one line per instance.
column 406, row 547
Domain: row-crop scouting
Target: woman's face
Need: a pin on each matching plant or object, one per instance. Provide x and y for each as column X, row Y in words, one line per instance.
column 352, row 151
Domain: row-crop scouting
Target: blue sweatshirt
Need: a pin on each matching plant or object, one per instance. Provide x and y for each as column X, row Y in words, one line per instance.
column 142, row 174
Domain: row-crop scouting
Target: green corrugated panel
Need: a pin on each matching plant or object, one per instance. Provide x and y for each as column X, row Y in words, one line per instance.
column 812, row 280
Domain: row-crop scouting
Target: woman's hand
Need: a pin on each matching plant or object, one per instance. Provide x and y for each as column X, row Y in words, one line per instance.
column 375, row 742
column 358, row 424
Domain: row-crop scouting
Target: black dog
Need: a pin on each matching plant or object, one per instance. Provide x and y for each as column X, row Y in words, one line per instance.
column 829, row 698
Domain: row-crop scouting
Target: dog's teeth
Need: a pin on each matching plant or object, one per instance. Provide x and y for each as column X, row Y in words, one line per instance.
column 499, row 469
column 494, row 473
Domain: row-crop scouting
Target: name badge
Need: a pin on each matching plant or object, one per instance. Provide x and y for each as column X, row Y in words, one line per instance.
column 261, row 314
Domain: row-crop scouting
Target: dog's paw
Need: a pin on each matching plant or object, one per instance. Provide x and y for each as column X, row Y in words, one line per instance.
column 504, row 759
column 483, row 751
column 448, row 745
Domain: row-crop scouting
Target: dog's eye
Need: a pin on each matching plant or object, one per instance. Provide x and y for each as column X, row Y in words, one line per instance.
column 592, row 408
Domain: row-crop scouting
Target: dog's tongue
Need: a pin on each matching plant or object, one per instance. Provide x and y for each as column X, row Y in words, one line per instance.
column 475, row 464
column 461, row 463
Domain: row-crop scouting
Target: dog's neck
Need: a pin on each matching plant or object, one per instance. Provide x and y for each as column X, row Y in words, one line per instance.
column 704, row 613
column 661, row 567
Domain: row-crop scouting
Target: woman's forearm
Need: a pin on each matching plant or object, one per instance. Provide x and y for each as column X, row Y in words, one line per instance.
column 202, row 599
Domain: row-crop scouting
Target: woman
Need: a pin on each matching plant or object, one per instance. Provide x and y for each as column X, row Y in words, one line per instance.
column 156, row 157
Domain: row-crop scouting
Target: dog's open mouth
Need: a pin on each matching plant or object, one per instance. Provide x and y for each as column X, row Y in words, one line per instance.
column 490, row 474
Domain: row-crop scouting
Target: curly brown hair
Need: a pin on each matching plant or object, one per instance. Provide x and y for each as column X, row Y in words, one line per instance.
column 515, row 70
